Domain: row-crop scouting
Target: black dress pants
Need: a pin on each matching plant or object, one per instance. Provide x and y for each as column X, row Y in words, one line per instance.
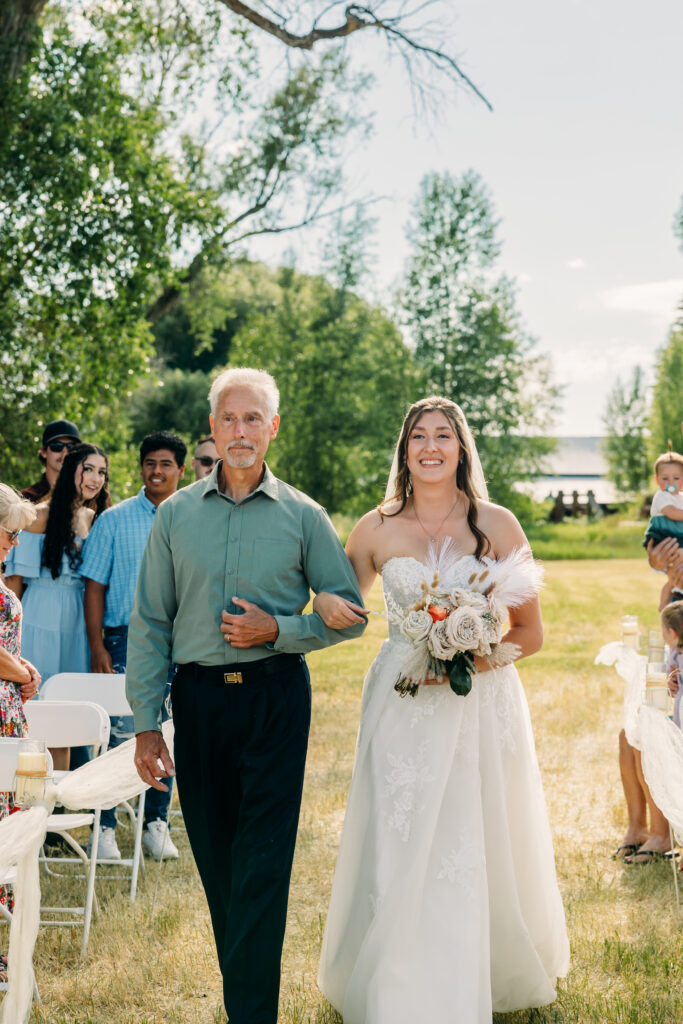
column 240, row 751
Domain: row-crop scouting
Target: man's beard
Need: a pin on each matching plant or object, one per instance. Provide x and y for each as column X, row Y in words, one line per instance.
column 242, row 461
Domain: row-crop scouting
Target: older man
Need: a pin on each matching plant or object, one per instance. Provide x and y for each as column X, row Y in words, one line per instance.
column 226, row 574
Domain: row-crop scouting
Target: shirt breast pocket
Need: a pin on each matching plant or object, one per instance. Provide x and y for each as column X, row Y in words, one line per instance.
column 276, row 563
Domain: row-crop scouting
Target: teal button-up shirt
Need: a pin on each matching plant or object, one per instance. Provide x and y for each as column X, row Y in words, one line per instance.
column 271, row 548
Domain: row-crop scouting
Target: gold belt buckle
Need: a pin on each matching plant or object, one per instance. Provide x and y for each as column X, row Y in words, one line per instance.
column 232, row 677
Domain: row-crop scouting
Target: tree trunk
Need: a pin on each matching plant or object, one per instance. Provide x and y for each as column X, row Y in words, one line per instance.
column 18, row 31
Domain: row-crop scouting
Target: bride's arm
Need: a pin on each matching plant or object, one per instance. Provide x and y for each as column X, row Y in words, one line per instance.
column 526, row 626
column 336, row 612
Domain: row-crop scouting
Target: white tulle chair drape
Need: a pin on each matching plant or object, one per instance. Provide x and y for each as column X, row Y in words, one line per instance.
column 649, row 730
column 101, row 783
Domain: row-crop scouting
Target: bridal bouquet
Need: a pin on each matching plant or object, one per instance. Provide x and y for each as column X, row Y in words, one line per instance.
column 448, row 628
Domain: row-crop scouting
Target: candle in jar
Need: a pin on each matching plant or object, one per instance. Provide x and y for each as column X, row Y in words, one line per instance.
column 32, row 762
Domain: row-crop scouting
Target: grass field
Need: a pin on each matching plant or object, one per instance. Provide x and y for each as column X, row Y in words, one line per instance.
column 153, row 963
column 612, row 537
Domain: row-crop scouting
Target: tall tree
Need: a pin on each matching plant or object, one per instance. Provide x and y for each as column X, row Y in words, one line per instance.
column 469, row 339
column 666, row 414
column 625, row 444
column 345, row 378
column 106, row 193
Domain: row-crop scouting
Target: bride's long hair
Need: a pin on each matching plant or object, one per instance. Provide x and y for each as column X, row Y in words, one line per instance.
column 400, row 482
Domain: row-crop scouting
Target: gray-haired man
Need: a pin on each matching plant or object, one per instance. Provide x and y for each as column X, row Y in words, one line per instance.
column 232, row 559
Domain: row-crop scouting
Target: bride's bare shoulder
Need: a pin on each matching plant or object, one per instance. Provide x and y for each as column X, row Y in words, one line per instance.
column 501, row 527
column 366, row 527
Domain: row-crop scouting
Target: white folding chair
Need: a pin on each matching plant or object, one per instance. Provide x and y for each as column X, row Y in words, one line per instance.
column 9, row 751
column 71, row 724
column 108, row 690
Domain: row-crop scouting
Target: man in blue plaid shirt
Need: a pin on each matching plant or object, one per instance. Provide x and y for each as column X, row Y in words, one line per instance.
column 111, row 562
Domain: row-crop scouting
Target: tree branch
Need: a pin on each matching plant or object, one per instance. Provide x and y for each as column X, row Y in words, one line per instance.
column 356, row 19
column 352, row 23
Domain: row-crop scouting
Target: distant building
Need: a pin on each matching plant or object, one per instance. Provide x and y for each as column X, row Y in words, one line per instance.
column 576, row 465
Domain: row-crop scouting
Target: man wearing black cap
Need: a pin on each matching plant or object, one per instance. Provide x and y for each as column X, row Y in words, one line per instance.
column 58, row 437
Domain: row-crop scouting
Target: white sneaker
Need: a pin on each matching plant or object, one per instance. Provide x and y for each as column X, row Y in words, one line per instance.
column 157, row 842
column 107, row 848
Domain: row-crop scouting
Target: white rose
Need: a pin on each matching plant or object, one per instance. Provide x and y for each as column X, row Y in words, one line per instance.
column 468, row 599
column 465, row 629
column 416, row 626
column 439, row 643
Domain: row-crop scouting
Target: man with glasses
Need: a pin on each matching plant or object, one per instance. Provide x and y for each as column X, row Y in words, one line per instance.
column 58, row 437
column 205, row 457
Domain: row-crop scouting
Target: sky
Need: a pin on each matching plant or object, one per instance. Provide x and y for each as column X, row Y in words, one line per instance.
column 583, row 155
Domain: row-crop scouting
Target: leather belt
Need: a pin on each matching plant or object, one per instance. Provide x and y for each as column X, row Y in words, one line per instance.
column 240, row 672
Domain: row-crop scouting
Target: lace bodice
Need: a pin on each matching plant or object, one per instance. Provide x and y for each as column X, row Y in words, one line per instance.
column 402, row 578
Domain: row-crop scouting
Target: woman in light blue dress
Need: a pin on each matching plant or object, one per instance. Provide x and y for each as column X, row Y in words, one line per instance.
column 43, row 569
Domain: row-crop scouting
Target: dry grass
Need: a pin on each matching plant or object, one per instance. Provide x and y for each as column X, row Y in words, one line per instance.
column 148, row 965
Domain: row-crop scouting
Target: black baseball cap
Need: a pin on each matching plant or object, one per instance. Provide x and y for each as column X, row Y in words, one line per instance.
column 60, row 428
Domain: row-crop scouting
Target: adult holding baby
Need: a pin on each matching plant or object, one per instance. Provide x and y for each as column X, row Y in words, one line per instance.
column 647, row 837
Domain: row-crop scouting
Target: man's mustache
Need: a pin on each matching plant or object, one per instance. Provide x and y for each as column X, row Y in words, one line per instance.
column 240, row 444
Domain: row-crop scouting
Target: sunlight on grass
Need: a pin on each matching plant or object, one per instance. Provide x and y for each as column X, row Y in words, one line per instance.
column 156, row 964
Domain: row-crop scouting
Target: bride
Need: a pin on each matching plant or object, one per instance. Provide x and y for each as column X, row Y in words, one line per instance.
column 445, row 905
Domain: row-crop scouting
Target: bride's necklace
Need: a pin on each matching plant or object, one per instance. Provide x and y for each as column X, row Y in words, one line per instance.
column 432, row 537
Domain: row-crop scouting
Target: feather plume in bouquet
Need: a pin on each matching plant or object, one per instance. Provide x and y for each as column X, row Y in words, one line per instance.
column 448, row 627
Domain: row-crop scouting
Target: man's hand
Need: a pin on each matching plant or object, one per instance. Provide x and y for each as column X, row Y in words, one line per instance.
column 251, row 629
column 675, row 576
column 150, row 749
column 665, row 555
column 100, row 660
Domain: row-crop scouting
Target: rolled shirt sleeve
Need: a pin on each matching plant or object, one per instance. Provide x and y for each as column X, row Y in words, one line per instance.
column 326, row 567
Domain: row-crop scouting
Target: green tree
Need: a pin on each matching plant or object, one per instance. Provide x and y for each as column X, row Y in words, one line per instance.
column 666, row 410
column 111, row 207
column 625, row 444
column 345, row 378
column 469, row 340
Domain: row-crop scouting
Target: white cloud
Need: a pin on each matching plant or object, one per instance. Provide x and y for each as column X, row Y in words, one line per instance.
column 656, row 299
column 524, row 278
column 600, row 361
column 576, row 264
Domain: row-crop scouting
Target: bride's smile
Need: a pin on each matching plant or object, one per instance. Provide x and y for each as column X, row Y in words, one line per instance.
column 433, row 450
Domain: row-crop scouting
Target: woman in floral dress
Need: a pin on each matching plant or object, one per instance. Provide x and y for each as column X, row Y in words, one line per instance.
column 19, row 680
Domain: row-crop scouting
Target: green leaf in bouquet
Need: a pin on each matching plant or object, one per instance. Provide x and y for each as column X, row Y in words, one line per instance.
column 460, row 674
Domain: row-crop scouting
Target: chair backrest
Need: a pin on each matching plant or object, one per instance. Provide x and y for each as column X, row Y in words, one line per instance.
column 67, row 723
column 100, row 687
column 9, row 751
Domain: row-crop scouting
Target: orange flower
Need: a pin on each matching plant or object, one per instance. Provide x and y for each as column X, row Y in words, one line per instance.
column 438, row 613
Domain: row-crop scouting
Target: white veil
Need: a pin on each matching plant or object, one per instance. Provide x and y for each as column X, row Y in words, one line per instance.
column 478, row 479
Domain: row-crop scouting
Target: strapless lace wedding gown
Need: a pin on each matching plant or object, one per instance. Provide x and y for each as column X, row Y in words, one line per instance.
column 445, row 905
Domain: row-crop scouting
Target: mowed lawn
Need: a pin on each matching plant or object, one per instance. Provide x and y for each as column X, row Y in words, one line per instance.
column 154, row 961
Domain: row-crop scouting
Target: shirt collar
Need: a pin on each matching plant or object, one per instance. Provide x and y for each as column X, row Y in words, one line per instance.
column 148, row 505
column 268, row 485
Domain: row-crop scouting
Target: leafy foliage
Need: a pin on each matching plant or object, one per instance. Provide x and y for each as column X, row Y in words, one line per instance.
column 173, row 400
column 116, row 194
column 345, row 378
column 666, row 413
column 469, row 339
column 625, row 444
